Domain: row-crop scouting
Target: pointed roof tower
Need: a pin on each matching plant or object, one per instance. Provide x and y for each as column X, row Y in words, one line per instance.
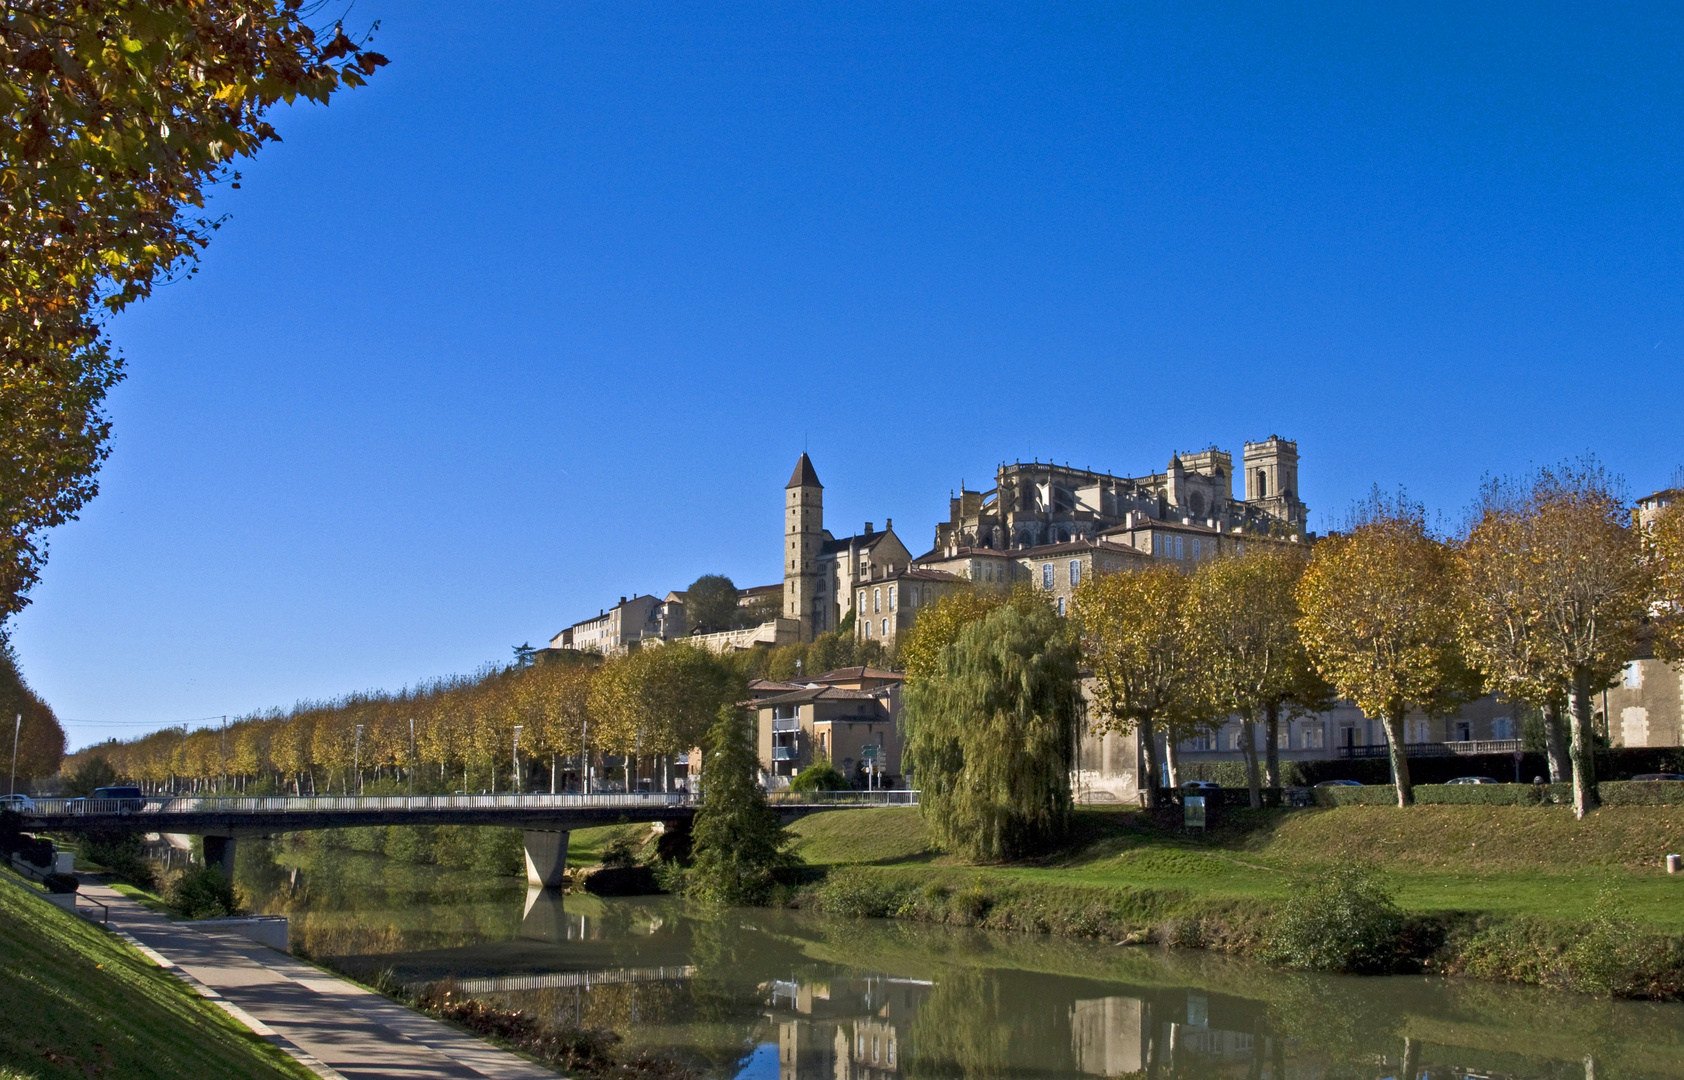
column 803, row 476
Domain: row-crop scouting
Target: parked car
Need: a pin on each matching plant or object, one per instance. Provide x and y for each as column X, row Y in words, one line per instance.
column 17, row 804
column 1473, row 780
column 1659, row 776
column 1340, row 783
column 1201, row 787
column 127, row 798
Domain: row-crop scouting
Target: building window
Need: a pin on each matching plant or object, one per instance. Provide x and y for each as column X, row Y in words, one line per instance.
column 1197, row 546
column 1313, row 737
column 862, row 599
column 876, row 600
column 868, row 628
column 1046, row 575
column 1180, row 549
column 1262, row 484
column 1075, row 572
column 885, row 627
column 1061, row 606
column 891, row 598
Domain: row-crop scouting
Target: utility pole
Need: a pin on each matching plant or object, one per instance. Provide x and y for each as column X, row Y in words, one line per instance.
column 17, row 726
column 357, row 757
column 412, row 756
column 224, row 745
column 518, row 729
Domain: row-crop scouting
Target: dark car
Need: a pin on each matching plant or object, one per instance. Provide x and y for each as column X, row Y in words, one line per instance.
column 1202, row 787
column 1340, row 783
column 1659, row 776
column 128, row 799
column 1473, row 780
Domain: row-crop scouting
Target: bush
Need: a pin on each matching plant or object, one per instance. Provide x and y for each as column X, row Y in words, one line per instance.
column 1448, row 795
column 1641, row 793
column 1344, row 919
column 124, row 855
column 620, row 850
column 36, row 851
column 61, row 883
column 819, row 776
column 202, row 894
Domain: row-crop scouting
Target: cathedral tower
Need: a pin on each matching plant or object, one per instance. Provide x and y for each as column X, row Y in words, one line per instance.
column 1271, row 479
column 803, row 539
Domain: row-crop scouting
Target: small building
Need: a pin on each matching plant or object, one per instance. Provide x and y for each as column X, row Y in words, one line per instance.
column 848, row 717
column 889, row 604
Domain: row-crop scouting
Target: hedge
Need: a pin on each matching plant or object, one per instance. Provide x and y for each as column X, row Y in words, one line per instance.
column 1613, row 792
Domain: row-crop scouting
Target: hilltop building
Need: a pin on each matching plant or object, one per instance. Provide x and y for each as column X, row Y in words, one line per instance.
column 821, row 570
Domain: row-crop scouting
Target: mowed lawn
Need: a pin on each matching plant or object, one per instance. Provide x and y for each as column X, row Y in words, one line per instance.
column 1508, row 860
column 79, row 1002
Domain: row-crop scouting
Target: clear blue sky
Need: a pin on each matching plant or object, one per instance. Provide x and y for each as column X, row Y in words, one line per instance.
column 544, row 315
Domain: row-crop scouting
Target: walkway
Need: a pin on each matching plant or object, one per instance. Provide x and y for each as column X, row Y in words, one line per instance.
column 335, row 1028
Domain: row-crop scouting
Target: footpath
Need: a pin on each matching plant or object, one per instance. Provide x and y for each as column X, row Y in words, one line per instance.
column 335, row 1028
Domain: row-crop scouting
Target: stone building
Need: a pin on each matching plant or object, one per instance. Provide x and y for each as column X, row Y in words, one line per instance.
column 848, row 717
column 1040, row 503
column 821, row 570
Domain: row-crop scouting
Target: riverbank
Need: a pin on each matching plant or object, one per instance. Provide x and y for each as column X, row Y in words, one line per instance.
column 81, row 1002
column 1526, row 894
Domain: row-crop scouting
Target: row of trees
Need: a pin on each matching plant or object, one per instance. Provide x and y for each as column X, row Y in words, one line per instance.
column 1542, row 598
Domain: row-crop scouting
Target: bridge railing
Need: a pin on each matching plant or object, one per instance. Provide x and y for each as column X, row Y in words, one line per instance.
column 288, row 804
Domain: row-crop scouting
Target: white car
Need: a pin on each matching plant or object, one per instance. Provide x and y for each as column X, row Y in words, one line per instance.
column 17, row 804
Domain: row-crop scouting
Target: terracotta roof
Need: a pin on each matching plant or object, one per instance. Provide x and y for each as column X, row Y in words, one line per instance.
column 803, row 476
column 770, row 684
column 849, row 673
column 940, row 555
column 816, row 693
column 761, row 590
column 1070, row 547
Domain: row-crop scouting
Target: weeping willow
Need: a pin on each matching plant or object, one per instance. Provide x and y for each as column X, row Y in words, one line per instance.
column 990, row 735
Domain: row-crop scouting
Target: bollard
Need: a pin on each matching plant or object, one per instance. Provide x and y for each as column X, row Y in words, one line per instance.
column 1674, row 864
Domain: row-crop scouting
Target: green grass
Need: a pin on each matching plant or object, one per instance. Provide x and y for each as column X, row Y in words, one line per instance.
column 1536, row 861
column 80, row 1002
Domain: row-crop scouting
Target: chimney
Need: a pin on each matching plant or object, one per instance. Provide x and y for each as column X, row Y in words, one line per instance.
column 622, row 599
column 868, row 528
column 888, row 524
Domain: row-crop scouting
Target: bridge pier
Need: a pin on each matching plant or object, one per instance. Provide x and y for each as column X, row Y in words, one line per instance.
column 546, row 858
column 219, row 852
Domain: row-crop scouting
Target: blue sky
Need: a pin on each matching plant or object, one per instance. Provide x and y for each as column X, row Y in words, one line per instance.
column 544, row 315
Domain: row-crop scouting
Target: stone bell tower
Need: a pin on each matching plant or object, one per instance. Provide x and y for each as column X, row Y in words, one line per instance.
column 803, row 539
column 1271, row 480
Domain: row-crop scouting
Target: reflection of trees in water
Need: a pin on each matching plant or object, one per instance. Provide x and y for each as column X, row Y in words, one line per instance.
column 963, row 1029
column 1331, row 1020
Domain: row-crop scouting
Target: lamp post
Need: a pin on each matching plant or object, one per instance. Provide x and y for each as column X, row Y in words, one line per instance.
column 518, row 785
column 357, row 757
column 17, row 726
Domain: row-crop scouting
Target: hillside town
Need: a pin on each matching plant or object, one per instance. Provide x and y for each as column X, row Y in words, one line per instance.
column 1050, row 527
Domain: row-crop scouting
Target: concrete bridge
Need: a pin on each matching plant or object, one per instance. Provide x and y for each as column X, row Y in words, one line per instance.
column 546, row 820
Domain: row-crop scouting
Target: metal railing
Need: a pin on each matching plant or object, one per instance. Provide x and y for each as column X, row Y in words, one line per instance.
column 288, row 804
column 1462, row 748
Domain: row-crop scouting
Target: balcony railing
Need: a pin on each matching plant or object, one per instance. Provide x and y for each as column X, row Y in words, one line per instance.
column 781, row 724
column 783, row 753
column 1460, row 748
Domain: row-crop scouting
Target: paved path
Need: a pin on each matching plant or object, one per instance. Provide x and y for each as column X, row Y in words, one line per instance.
column 335, row 1028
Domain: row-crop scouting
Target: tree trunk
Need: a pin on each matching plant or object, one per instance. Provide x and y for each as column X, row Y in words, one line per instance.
column 1585, row 798
column 1248, row 743
column 1555, row 742
column 1400, row 759
column 1147, row 736
column 1172, row 756
column 1272, row 756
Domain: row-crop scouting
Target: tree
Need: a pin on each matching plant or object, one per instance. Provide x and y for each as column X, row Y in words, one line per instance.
column 117, row 118
column 710, row 604
column 1379, row 620
column 1136, row 641
column 94, row 772
column 1663, row 546
column 1587, row 590
column 40, row 739
column 990, row 735
column 738, row 843
column 660, row 700
column 1243, row 612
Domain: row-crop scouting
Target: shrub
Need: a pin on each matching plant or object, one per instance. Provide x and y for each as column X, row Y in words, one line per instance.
column 861, row 898
column 1449, row 795
column 1344, row 919
column 61, row 883
column 819, row 776
column 36, row 851
column 620, row 850
column 202, row 894
column 122, row 854
column 1641, row 793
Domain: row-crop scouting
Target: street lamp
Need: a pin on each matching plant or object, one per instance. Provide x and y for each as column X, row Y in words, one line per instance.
column 518, row 785
column 357, row 758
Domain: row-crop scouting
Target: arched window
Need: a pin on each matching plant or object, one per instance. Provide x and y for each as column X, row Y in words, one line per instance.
column 885, row 628
column 1262, row 484
column 876, row 599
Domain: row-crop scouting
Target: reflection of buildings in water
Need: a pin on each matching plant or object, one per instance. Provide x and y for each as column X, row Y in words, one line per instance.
column 1116, row 1036
column 1111, row 1036
column 844, row 1029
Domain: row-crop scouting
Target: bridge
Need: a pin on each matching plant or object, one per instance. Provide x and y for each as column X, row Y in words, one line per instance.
column 546, row 820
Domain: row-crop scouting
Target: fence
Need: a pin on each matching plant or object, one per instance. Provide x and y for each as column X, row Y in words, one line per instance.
column 285, row 804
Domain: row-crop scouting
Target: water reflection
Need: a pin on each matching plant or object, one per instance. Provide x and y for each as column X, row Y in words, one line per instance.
column 758, row 994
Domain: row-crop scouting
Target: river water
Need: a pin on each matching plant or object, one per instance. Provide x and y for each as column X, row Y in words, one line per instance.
column 778, row 995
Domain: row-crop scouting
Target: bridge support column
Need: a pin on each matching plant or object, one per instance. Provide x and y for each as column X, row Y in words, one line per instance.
column 219, row 852
column 546, row 859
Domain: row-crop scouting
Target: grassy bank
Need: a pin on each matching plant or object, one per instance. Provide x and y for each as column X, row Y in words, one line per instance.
column 81, row 1002
column 1520, row 893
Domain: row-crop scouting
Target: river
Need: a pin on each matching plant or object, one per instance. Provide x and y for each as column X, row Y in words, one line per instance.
column 750, row 994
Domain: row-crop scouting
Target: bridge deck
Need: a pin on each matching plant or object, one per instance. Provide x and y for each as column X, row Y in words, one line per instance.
column 270, row 815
